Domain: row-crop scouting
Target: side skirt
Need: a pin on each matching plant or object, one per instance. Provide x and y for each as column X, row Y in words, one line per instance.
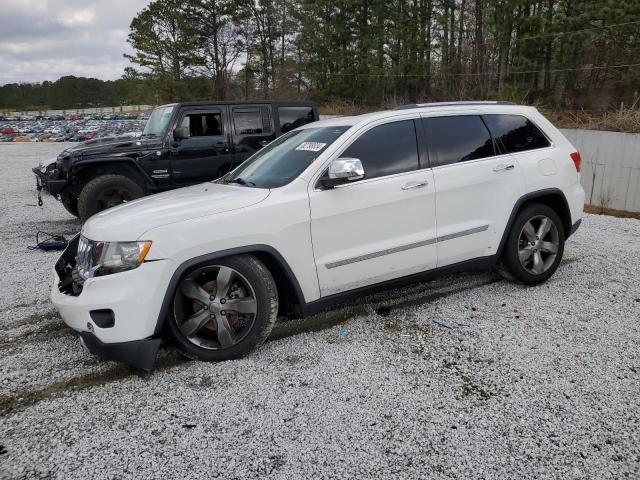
column 350, row 296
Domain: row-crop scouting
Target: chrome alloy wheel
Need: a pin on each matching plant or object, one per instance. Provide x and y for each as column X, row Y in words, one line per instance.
column 215, row 307
column 538, row 244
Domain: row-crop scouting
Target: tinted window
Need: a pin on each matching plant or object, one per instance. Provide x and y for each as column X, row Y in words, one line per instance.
column 203, row 124
column 458, row 138
column 285, row 158
column 516, row 133
column 294, row 117
column 386, row 149
column 250, row 121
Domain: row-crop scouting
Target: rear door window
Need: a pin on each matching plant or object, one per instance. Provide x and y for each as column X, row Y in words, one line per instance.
column 386, row 149
column 516, row 133
column 294, row 117
column 458, row 138
column 252, row 121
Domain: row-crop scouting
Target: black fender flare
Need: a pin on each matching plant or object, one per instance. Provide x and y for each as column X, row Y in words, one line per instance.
column 546, row 192
column 128, row 161
column 193, row 262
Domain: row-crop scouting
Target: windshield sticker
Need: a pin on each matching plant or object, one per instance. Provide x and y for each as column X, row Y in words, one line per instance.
column 311, row 146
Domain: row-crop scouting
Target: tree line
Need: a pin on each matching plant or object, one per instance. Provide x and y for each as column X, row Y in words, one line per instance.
column 555, row 53
column 560, row 52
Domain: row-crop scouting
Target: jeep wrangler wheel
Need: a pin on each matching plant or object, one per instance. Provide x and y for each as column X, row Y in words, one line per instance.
column 534, row 246
column 224, row 309
column 105, row 192
column 70, row 204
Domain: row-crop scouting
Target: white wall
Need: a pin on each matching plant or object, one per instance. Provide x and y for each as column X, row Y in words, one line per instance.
column 610, row 171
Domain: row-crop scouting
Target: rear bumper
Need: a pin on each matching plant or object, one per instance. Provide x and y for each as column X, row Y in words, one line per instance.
column 138, row 354
column 48, row 184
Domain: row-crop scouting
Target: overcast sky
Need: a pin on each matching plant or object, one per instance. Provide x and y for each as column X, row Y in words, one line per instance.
column 46, row 39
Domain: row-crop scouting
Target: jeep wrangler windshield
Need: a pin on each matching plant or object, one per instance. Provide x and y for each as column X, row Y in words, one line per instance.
column 158, row 121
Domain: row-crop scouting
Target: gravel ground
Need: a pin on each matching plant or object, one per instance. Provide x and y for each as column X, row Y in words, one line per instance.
column 464, row 377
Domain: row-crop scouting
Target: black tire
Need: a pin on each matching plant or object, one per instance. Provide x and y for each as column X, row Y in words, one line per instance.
column 510, row 265
column 105, row 192
column 70, row 204
column 265, row 295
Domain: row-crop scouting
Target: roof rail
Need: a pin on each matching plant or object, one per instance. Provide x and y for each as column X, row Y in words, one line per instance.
column 450, row 104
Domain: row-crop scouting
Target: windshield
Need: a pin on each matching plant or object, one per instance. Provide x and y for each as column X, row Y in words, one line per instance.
column 158, row 121
column 285, row 158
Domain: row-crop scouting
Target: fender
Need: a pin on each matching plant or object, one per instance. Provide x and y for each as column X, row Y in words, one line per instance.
column 532, row 196
column 193, row 262
column 115, row 160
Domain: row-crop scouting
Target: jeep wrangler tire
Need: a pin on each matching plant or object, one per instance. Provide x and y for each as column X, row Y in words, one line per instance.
column 105, row 192
column 70, row 204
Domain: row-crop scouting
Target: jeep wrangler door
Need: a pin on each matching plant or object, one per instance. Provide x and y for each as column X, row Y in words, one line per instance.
column 252, row 129
column 204, row 152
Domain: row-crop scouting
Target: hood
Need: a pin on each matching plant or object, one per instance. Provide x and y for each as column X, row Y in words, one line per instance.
column 131, row 220
column 109, row 145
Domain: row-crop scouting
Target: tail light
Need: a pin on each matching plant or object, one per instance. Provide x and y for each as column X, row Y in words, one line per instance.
column 575, row 156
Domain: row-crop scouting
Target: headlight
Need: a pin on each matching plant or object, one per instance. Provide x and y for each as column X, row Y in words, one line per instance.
column 95, row 259
column 44, row 164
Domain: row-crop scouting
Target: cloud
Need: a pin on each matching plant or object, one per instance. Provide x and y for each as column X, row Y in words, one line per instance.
column 46, row 39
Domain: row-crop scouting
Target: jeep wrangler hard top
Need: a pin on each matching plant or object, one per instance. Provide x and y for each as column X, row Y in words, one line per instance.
column 182, row 144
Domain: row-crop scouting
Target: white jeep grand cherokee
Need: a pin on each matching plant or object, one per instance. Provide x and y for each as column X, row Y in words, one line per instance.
column 324, row 213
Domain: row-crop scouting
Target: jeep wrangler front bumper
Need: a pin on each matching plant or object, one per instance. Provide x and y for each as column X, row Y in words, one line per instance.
column 48, row 182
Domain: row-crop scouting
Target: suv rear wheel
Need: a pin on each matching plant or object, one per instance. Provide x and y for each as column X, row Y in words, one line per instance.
column 534, row 246
column 105, row 192
column 224, row 309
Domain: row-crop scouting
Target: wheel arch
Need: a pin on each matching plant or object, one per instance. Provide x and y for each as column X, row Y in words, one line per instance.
column 87, row 170
column 289, row 290
column 552, row 197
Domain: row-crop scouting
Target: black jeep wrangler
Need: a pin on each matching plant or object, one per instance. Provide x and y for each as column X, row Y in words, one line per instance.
column 182, row 144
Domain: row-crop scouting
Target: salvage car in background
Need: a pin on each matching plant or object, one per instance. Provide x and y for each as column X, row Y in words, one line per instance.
column 326, row 212
column 182, row 144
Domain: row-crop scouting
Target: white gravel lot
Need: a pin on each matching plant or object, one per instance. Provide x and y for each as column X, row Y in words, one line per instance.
column 464, row 377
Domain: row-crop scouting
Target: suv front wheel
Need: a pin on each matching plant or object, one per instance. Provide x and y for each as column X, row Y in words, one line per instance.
column 223, row 309
column 534, row 246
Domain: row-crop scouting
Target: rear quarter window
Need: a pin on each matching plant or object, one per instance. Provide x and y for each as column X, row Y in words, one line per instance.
column 515, row 133
column 294, row 117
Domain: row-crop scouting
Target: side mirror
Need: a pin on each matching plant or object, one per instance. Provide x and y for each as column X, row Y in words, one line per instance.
column 341, row 171
column 180, row 133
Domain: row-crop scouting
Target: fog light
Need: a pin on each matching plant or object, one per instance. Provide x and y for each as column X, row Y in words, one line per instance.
column 103, row 318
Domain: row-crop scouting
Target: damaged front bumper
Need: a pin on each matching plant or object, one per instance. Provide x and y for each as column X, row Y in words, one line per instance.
column 48, row 179
column 115, row 315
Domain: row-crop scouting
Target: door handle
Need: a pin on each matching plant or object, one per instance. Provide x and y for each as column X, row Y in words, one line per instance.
column 410, row 185
column 502, row 166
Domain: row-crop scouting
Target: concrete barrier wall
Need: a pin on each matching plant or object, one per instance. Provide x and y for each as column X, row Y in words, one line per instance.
column 610, row 171
column 80, row 111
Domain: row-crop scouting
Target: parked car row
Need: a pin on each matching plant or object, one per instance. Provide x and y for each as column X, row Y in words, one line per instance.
column 316, row 216
column 75, row 128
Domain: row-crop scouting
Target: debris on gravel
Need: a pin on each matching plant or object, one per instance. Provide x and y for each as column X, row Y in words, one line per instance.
column 463, row 377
